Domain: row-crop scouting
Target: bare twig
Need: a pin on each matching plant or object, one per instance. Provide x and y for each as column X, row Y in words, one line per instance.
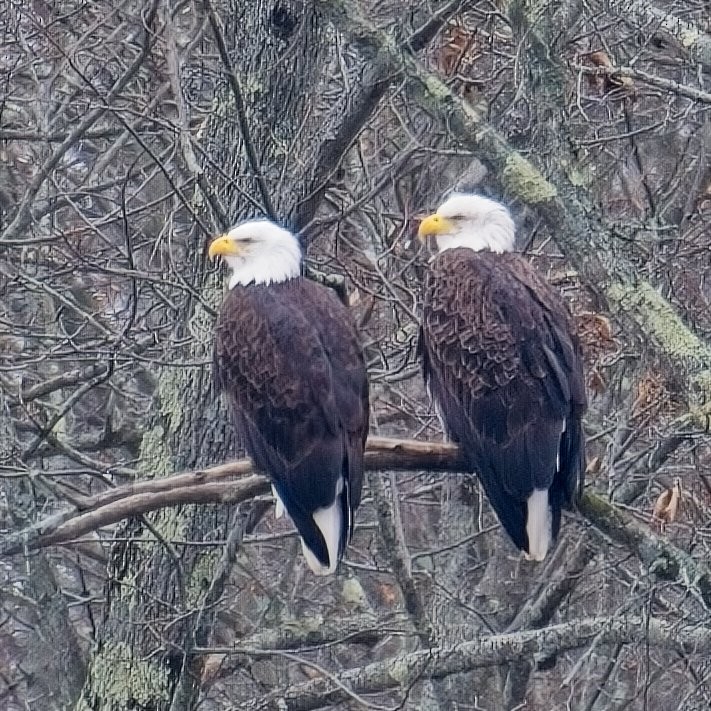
column 24, row 215
column 384, row 68
column 675, row 87
column 397, row 554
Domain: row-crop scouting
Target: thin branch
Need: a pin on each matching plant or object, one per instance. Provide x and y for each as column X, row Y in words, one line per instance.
column 77, row 395
column 71, row 377
column 205, row 486
column 422, row 37
column 383, row 69
column 151, row 126
column 397, row 554
column 24, row 214
column 675, row 87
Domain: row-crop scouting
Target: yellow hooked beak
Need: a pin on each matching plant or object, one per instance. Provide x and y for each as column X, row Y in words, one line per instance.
column 224, row 246
column 434, row 225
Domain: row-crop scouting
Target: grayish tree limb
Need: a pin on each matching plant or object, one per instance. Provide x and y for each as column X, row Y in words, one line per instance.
column 661, row 557
column 487, row 651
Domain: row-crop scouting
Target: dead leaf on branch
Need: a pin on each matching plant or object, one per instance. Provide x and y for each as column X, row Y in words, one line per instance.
column 667, row 505
column 594, row 466
column 598, row 341
column 457, row 43
column 652, row 395
column 609, row 81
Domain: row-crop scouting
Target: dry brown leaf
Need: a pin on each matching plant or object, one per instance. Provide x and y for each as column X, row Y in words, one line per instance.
column 600, row 59
column 652, row 394
column 667, row 505
column 387, row 594
column 611, row 81
column 597, row 339
column 594, row 466
column 457, row 43
column 310, row 672
column 211, row 667
column 596, row 382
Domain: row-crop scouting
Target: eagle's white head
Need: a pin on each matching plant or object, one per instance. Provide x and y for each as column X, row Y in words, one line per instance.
column 472, row 221
column 258, row 252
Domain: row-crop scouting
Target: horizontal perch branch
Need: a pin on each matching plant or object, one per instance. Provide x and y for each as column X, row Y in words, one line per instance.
column 235, row 482
column 214, row 485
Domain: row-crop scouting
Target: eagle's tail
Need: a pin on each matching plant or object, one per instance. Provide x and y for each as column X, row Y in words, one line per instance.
column 323, row 533
column 539, row 524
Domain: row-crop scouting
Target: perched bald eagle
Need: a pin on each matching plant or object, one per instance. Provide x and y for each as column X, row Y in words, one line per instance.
column 502, row 363
column 287, row 355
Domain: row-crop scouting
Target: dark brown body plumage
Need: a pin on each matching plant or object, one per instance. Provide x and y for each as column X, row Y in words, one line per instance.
column 288, row 356
column 503, row 364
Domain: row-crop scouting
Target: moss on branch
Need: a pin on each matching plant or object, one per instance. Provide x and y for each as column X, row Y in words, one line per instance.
column 657, row 318
column 124, row 681
column 661, row 558
column 438, row 662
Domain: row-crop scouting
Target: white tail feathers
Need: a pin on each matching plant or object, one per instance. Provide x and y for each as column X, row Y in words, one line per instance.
column 329, row 521
column 539, row 524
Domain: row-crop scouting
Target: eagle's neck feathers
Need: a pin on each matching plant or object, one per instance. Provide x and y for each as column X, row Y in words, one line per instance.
column 492, row 236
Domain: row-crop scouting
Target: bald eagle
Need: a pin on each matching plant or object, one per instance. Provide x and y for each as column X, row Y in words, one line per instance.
column 287, row 355
column 502, row 363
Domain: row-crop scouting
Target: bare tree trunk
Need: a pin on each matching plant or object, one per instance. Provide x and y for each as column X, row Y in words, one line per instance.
column 274, row 54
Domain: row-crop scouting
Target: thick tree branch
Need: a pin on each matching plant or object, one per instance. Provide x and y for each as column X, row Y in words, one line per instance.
column 383, row 69
column 206, row 486
column 212, row 486
column 438, row 662
column 70, row 524
column 661, row 558
column 307, row 632
column 304, row 633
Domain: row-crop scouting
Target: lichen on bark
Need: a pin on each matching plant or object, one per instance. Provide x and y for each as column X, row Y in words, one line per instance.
column 524, row 180
column 125, row 682
column 678, row 342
